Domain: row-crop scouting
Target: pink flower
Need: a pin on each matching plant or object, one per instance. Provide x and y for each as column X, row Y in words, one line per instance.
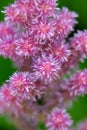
column 79, row 43
column 25, row 86
column 61, row 51
column 58, row 119
column 46, row 7
column 78, row 83
column 82, row 125
column 10, row 102
column 7, row 31
column 8, row 34
column 26, row 47
column 46, row 68
column 18, row 12
column 65, row 21
column 43, row 30
column 22, row 84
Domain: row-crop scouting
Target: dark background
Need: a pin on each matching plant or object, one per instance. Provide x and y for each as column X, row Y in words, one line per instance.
column 79, row 109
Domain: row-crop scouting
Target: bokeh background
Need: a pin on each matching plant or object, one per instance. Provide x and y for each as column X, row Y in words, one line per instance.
column 79, row 110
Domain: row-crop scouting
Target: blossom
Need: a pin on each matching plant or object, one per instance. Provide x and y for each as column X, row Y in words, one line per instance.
column 7, row 49
column 46, row 68
column 7, row 31
column 26, row 47
column 46, row 7
column 43, row 29
column 61, row 51
column 58, row 119
column 22, row 84
column 64, row 20
column 18, row 12
column 79, row 43
column 8, row 34
column 82, row 125
column 12, row 102
column 78, row 83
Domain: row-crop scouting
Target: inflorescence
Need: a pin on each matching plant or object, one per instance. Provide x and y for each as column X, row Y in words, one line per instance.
column 35, row 36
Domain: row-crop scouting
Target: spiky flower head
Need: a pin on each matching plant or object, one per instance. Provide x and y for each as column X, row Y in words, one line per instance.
column 26, row 47
column 10, row 102
column 44, row 29
column 46, row 68
column 46, row 7
column 65, row 21
column 8, row 34
column 17, row 13
column 79, row 43
column 78, row 83
column 61, row 51
column 22, row 84
column 58, row 119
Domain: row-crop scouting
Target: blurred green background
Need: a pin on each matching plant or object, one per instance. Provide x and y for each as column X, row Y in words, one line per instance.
column 79, row 109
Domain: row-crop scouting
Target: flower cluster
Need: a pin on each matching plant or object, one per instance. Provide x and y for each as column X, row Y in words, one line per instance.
column 34, row 35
